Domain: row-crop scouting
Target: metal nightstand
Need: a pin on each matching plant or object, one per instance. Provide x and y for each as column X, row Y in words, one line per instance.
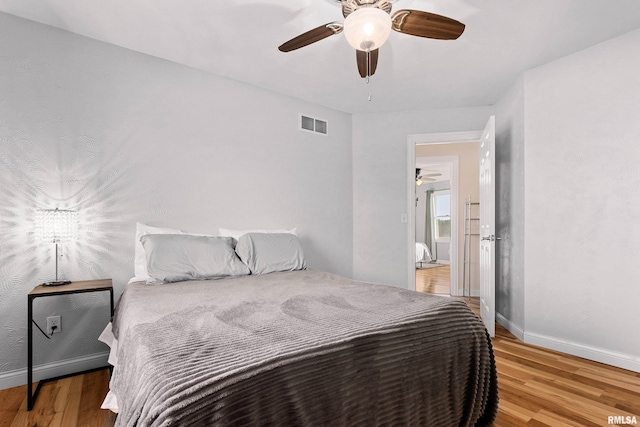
column 47, row 291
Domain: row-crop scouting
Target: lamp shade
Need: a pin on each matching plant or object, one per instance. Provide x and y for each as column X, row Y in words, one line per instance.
column 367, row 28
column 56, row 225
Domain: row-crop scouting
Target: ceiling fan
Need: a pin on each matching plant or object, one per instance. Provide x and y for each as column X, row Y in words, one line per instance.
column 420, row 178
column 367, row 26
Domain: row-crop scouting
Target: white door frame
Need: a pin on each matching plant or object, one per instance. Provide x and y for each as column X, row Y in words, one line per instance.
column 433, row 138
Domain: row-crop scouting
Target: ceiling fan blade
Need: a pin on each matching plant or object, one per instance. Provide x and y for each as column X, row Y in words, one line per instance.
column 367, row 62
column 425, row 24
column 312, row 36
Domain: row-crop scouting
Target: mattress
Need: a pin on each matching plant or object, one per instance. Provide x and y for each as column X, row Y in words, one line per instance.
column 298, row 348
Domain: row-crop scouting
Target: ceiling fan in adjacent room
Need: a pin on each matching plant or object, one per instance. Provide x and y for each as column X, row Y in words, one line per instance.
column 367, row 26
column 429, row 177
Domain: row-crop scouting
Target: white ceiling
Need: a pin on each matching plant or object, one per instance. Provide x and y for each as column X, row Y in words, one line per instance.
column 239, row 39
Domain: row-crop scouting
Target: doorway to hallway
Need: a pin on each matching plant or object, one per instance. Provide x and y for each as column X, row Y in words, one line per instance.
column 460, row 151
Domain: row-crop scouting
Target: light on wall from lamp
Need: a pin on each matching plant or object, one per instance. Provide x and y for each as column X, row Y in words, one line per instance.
column 56, row 226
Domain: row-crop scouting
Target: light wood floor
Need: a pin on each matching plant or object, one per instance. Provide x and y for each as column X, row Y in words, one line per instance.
column 69, row 402
column 434, row 280
column 538, row 387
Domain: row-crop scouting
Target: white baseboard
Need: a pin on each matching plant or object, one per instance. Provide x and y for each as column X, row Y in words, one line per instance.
column 54, row 369
column 613, row 358
column 510, row 326
column 474, row 293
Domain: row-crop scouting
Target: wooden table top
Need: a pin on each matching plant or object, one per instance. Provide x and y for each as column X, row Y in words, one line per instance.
column 73, row 287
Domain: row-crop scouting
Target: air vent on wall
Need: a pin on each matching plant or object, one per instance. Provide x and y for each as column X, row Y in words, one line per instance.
column 311, row 124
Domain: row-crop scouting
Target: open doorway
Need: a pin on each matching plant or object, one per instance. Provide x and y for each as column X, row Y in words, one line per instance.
column 433, row 224
column 458, row 150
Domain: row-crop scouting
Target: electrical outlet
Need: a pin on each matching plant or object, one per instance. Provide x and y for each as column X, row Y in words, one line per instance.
column 51, row 322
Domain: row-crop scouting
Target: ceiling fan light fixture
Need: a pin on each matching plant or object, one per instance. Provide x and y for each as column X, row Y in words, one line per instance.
column 367, row 28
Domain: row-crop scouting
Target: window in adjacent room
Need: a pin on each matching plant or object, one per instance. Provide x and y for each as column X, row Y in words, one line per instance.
column 441, row 203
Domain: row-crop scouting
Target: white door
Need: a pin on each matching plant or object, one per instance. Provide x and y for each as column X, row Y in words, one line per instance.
column 487, row 227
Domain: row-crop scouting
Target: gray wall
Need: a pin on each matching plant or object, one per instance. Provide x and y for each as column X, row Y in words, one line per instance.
column 582, row 203
column 123, row 137
column 510, row 209
column 380, row 184
column 442, row 252
column 567, row 155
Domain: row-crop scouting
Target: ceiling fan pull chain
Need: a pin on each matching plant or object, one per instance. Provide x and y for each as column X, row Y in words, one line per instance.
column 369, row 71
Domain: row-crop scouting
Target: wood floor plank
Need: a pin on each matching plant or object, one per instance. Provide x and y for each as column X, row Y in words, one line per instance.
column 62, row 394
column 618, row 399
column 21, row 418
column 539, row 364
column 10, row 406
column 95, row 388
column 505, row 419
column 540, row 401
column 516, row 411
column 552, row 419
column 629, row 384
column 434, row 280
column 68, row 402
column 72, row 404
column 527, row 374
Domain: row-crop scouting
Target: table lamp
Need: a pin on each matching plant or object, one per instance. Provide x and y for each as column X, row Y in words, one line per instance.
column 56, row 226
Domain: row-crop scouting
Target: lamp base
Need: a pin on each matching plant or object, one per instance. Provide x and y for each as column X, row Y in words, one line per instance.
column 57, row 283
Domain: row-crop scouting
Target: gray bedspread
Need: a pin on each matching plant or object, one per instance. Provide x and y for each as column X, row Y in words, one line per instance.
column 303, row 348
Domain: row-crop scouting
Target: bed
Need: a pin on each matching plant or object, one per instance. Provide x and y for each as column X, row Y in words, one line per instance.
column 296, row 348
column 422, row 253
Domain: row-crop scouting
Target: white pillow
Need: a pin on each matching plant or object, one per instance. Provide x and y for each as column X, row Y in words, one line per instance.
column 227, row 232
column 140, row 261
column 180, row 257
column 268, row 252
